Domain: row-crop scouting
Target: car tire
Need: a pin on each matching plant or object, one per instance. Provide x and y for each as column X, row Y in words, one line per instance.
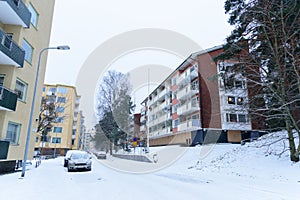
column 69, row 170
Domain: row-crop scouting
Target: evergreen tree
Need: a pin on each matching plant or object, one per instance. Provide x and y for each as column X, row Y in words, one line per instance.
column 266, row 42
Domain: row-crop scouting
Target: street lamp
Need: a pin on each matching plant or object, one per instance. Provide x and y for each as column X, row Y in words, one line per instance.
column 64, row 47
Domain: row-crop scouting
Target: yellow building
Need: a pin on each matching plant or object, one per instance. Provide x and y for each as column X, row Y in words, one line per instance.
column 25, row 27
column 65, row 133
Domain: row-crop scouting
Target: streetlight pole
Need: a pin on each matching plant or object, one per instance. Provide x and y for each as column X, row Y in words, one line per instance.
column 148, row 134
column 33, row 102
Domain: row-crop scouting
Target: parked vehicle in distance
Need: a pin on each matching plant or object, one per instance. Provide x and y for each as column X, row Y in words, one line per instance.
column 101, row 155
column 78, row 160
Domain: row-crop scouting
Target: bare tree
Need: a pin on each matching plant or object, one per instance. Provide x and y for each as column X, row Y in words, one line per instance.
column 114, row 105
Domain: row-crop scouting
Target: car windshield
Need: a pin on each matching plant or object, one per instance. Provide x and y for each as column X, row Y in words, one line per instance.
column 79, row 156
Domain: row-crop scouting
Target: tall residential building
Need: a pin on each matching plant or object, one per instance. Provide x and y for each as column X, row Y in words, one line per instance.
column 195, row 104
column 25, row 27
column 66, row 131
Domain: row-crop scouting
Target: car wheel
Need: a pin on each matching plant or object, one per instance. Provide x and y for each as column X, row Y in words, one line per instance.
column 69, row 169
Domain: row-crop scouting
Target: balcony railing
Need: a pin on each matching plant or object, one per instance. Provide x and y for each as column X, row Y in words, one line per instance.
column 8, row 99
column 14, row 12
column 10, row 52
column 188, row 108
column 189, row 125
column 187, row 92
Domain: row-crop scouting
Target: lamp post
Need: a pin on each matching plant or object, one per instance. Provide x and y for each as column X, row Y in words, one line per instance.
column 64, row 47
column 148, row 134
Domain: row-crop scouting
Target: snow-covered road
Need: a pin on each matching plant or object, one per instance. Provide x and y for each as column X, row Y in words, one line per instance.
column 184, row 179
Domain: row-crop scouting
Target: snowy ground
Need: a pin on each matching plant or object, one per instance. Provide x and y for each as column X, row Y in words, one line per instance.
column 224, row 171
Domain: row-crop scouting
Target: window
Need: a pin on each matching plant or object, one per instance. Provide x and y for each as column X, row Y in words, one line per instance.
column 53, row 90
column 174, row 81
column 243, row 118
column 60, row 109
column 12, row 133
column 175, row 123
column 62, row 90
column 56, row 140
column 174, row 95
column 175, row 107
column 1, row 84
column 59, row 120
column 21, row 89
column 195, row 101
column 231, row 100
column 231, row 117
column 73, row 142
column 240, row 101
column 1, row 80
column 61, row 99
column 57, row 129
column 194, row 85
column 7, row 40
column 239, row 84
column 34, row 15
column 28, row 50
column 44, row 89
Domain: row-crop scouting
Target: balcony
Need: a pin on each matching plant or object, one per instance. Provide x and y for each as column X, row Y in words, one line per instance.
column 188, row 125
column 185, row 78
column 187, row 92
column 10, row 52
column 14, row 12
column 8, row 99
column 188, row 108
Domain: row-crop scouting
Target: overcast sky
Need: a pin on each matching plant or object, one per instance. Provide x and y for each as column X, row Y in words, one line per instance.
column 84, row 25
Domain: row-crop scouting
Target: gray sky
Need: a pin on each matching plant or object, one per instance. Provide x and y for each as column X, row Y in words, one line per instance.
column 84, row 25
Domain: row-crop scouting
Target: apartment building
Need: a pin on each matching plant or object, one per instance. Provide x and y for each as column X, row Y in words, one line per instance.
column 66, row 133
column 25, row 27
column 196, row 104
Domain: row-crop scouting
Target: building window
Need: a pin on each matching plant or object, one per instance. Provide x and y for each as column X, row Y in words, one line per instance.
column 12, row 133
column 231, row 100
column 57, row 129
column 73, row 142
column 28, row 50
column 44, row 89
column 61, row 99
column 1, row 80
column 52, row 90
column 59, row 120
column 174, row 108
column 231, row 117
column 21, row 89
column 34, row 15
column 1, row 84
column 62, row 90
column 195, row 85
column 243, row 118
column 174, row 81
column 240, row 101
column 175, row 123
column 56, row 140
column 60, row 109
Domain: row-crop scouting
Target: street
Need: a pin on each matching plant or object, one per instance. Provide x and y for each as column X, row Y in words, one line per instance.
column 185, row 178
